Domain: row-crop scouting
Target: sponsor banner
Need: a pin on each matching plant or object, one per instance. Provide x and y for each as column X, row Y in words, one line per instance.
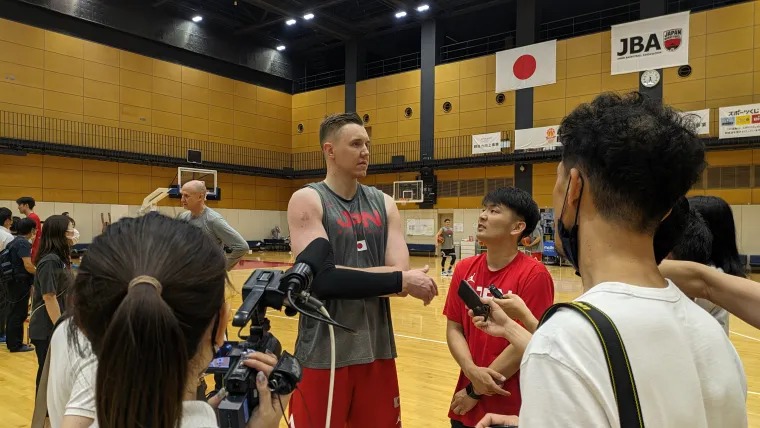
column 650, row 44
column 536, row 138
column 486, row 143
column 739, row 121
column 701, row 120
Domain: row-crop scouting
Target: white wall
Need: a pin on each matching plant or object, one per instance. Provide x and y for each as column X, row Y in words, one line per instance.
column 746, row 217
column 252, row 224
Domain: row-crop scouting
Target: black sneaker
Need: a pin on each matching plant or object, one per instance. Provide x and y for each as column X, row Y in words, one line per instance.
column 23, row 348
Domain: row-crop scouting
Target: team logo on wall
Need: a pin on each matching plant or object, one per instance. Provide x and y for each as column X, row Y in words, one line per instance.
column 551, row 133
column 650, row 44
column 672, row 39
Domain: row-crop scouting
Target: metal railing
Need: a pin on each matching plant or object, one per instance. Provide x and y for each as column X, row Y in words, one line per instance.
column 320, row 80
column 24, row 133
column 393, row 65
column 589, row 22
column 477, row 47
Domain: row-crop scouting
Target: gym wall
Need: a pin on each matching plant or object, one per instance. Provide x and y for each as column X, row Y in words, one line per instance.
column 384, row 100
column 63, row 77
column 308, row 110
column 470, row 87
column 253, row 225
column 59, row 179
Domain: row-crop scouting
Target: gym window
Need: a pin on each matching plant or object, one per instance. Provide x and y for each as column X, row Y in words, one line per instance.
column 498, row 183
column 472, row 187
column 728, row 177
column 447, row 189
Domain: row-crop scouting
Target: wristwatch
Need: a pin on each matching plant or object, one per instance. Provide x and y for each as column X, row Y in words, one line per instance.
column 471, row 392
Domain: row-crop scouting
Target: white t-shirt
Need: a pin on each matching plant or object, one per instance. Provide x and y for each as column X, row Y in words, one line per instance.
column 71, row 385
column 71, row 378
column 686, row 370
column 5, row 237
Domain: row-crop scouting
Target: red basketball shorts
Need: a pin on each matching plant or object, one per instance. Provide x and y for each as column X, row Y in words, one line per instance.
column 365, row 396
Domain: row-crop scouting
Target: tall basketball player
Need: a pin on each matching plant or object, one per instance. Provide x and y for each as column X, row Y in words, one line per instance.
column 364, row 227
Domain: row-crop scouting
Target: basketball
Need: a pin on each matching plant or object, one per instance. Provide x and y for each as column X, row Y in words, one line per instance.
column 526, row 241
column 440, row 240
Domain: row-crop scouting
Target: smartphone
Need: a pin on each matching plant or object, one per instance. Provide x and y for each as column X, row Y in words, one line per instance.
column 472, row 300
column 495, row 292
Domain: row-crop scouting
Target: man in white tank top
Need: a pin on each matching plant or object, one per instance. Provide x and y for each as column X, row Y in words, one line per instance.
column 626, row 161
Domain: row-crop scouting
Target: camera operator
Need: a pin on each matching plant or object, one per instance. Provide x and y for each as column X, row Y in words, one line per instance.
column 364, row 228
column 153, row 309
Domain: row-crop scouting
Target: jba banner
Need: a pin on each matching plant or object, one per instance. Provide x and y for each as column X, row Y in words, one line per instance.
column 701, row 119
column 739, row 121
column 486, row 143
column 650, row 44
column 536, row 138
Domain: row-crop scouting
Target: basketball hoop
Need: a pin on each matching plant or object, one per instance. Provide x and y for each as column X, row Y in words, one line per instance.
column 403, row 201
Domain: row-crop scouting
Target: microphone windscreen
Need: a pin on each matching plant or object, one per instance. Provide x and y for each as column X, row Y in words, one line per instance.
column 315, row 254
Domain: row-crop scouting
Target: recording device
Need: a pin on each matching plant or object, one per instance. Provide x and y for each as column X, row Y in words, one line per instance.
column 472, row 300
column 495, row 292
column 264, row 289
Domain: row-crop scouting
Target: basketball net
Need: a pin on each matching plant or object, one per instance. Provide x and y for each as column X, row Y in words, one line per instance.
column 403, row 201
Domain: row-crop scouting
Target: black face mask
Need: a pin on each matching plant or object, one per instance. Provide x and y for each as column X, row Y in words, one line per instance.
column 569, row 238
column 671, row 229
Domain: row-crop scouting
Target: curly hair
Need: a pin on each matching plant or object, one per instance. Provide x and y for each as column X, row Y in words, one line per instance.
column 639, row 156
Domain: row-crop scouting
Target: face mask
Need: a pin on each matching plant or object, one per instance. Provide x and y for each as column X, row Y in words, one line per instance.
column 671, row 229
column 74, row 236
column 569, row 238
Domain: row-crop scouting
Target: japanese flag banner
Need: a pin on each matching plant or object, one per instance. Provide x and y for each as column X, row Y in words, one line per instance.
column 526, row 67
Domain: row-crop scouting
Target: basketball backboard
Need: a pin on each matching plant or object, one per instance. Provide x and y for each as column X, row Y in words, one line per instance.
column 408, row 192
column 207, row 176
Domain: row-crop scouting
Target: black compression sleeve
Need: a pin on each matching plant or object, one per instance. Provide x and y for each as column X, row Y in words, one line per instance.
column 336, row 283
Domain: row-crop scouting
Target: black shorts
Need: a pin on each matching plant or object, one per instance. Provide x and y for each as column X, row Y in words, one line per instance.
column 449, row 252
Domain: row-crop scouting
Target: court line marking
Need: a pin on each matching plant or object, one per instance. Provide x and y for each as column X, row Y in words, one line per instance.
column 745, row 336
column 397, row 335
column 444, row 343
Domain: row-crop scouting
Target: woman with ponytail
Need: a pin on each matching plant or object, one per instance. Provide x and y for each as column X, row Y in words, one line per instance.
column 149, row 297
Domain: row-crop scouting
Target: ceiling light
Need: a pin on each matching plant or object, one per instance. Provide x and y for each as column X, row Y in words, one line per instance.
column 281, row 48
column 422, row 8
column 400, row 14
column 290, row 21
column 197, row 18
column 308, row 16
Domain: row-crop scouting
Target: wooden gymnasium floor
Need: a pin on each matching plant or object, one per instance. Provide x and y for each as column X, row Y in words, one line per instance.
column 427, row 372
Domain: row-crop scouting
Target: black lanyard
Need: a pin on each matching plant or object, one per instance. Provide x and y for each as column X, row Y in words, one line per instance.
column 621, row 376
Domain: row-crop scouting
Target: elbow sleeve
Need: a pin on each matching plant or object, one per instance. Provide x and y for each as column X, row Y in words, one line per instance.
column 335, row 283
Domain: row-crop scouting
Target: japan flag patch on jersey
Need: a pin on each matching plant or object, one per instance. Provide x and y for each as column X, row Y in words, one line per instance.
column 361, row 245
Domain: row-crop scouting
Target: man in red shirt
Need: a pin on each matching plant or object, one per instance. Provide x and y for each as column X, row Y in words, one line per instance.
column 26, row 207
column 508, row 216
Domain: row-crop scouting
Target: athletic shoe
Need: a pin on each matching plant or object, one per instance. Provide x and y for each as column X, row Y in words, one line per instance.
column 443, row 273
column 23, row 348
column 449, row 273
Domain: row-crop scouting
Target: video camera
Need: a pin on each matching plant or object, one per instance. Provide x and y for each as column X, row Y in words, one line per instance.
column 266, row 288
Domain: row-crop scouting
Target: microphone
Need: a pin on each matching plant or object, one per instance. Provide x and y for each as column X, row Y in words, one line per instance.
column 310, row 263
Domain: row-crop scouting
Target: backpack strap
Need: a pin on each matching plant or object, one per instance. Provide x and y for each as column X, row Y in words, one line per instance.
column 621, row 376
column 40, row 402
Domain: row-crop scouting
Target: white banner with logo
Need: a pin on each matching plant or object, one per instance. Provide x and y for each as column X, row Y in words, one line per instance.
column 739, row 121
column 701, row 120
column 650, row 44
column 486, row 143
column 536, row 138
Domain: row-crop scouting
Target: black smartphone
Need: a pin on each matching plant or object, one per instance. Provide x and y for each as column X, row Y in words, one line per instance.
column 495, row 292
column 472, row 300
